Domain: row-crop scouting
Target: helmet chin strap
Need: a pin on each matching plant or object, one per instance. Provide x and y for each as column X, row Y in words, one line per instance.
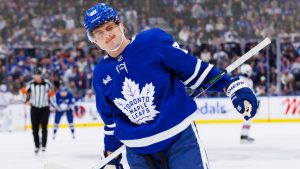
column 118, row 47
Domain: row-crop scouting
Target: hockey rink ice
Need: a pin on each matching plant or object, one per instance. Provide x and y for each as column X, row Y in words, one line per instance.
column 277, row 146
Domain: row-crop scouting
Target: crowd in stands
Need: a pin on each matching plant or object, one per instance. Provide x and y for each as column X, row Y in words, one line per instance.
column 43, row 33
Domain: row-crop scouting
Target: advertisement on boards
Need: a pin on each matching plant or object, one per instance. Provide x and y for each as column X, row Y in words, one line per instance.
column 210, row 110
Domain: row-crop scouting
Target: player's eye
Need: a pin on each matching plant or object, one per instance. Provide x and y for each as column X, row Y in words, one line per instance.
column 109, row 28
column 99, row 33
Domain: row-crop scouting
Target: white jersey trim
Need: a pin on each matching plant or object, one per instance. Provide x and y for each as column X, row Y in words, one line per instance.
column 133, row 38
column 142, row 142
column 111, row 125
column 106, row 56
column 203, row 153
column 202, row 77
column 197, row 68
column 109, row 132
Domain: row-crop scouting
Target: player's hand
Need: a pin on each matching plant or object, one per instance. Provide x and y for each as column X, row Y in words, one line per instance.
column 52, row 109
column 114, row 163
column 28, row 102
column 243, row 99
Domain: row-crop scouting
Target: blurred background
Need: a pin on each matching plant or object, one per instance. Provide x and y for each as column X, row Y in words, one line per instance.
column 50, row 34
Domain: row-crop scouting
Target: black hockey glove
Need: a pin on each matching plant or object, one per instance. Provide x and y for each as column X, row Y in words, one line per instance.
column 114, row 163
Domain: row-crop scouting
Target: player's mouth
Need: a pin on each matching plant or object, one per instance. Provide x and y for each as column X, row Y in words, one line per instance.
column 110, row 39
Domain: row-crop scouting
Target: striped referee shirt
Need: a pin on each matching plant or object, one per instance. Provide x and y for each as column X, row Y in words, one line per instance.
column 40, row 94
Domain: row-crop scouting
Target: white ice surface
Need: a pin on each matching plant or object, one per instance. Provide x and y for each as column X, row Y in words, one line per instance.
column 277, row 146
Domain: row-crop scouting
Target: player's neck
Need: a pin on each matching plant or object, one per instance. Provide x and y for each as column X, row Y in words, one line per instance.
column 115, row 54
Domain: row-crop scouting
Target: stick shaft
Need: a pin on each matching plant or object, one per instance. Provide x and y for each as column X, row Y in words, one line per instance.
column 234, row 65
column 248, row 55
column 113, row 155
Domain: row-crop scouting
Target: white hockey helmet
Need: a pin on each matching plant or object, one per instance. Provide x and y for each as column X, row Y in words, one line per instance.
column 246, row 69
column 3, row 88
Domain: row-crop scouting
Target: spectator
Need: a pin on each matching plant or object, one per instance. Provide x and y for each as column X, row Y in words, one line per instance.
column 287, row 82
column 229, row 24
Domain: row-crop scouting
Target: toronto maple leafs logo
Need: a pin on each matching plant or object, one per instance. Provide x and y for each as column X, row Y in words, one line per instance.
column 137, row 105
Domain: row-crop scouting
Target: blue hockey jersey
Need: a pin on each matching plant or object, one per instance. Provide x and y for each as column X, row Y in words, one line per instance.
column 64, row 103
column 141, row 95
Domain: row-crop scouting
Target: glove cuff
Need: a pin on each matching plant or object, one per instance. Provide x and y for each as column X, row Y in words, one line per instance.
column 235, row 86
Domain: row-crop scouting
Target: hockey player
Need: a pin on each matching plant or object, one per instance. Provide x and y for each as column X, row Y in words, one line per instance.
column 245, row 75
column 65, row 105
column 6, row 98
column 90, row 98
column 140, row 94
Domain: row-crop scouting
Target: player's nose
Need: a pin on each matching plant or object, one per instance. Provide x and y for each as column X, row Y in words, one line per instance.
column 109, row 37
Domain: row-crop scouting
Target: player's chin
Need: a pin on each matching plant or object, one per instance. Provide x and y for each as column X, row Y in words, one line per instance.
column 114, row 46
column 107, row 47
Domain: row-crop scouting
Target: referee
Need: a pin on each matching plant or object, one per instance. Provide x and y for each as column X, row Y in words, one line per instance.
column 39, row 94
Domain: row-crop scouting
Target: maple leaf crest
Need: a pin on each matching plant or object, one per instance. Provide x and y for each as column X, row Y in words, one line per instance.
column 137, row 105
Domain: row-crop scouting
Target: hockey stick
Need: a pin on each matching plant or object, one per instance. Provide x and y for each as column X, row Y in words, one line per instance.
column 229, row 69
column 113, row 155
column 234, row 65
column 25, row 117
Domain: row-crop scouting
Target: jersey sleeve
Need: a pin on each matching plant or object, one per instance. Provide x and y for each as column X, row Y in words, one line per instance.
column 106, row 110
column 55, row 101
column 26, row 91
column 194, row 73
column 51, row 93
